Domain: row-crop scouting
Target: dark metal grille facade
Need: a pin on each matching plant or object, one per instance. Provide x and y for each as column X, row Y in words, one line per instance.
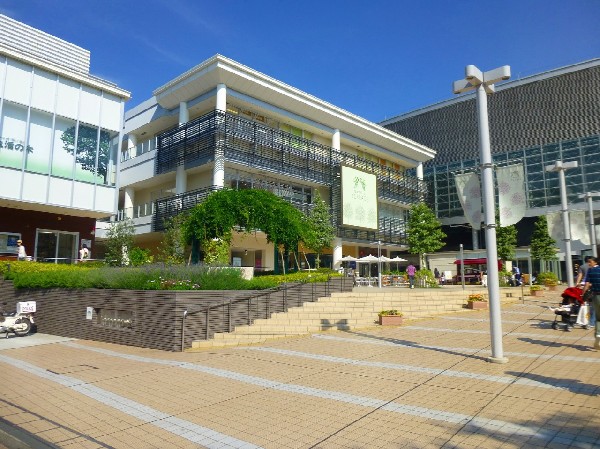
column 543, row 110
column 257, row 146
column 542, row 188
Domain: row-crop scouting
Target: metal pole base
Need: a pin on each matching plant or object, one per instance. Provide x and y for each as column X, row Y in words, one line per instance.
column 500, row 360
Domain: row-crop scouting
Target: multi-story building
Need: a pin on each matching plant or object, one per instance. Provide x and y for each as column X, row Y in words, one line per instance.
column 224, row 125
column 60, row 129
column 534, row 121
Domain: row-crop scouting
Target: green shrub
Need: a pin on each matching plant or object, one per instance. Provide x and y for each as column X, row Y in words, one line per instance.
column 146, row 277
column 547, row 278
column 425, row 278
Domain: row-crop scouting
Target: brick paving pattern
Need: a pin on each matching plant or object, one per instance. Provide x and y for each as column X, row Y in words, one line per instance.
column 425, row 384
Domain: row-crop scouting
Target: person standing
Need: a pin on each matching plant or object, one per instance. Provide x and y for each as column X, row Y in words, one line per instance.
column 411, row 270
column 22, row 254
column 582, row 272
column 593, row 283
column 84, row 252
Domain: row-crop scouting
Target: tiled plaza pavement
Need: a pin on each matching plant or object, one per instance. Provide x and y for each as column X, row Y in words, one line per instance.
column 422, row 385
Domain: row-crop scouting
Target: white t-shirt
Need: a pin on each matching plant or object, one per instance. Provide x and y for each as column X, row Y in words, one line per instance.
column 84, row 253
column 22, row 253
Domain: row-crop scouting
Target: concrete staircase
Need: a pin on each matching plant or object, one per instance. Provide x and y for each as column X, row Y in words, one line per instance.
column 347, row 311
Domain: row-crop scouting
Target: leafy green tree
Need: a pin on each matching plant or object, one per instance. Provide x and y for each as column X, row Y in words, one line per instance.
column 87, row 141
column 171, row 250
column 543, row 247
column 246, row 210
column 320, row 230
column 424, row 231
column 119, row 241
column 506, row 240
column 216, row 252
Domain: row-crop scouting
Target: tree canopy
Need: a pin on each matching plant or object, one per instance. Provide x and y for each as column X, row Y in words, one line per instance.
column 543, row 247
column 506, row 240
column 247, row 210
column 320, row 230
column 425, row 233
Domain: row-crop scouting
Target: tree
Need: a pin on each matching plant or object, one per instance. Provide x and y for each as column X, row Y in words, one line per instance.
column 506, row 240
column 171, row 248
column 246, row 210
column 424, row 231
column 543, row 247
column 87, row 141
column 119, row 242
column 320, row 230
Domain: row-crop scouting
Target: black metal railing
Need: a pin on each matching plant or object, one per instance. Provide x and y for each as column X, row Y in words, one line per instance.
column 259, row 146
column 224, row 315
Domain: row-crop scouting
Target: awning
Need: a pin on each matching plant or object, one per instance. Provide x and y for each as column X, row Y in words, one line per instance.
column 480, row 261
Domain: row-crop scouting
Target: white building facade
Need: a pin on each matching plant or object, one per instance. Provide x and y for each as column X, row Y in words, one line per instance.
column 224, row 125
column 60, row 129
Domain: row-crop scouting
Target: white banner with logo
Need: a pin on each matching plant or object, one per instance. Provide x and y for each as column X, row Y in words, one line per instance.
column 511, row 194
column 579, row 229
column 468, row 189
column 555, row 226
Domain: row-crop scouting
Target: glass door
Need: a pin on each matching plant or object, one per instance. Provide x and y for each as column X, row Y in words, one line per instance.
column 56, row 246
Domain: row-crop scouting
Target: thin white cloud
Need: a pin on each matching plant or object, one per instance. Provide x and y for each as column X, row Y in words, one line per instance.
column 165, row 53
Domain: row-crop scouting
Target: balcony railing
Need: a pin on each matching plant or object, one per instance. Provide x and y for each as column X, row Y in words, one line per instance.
column 258, row 146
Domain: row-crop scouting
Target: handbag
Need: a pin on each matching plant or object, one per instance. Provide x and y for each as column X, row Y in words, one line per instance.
column 582, row 316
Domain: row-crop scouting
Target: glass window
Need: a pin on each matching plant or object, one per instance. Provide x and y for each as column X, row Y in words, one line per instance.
column 106, row 157
column 18, row 82
column 12, row 135
column 87, row 150
column 40, row 142
column 63, row 148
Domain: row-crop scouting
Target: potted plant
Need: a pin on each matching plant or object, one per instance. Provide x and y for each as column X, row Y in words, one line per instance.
column 548, row 279
column 476, row 301
column 536, row 290
column 390, row 317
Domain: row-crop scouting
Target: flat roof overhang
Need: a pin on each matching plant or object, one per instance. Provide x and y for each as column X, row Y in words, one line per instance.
column 221, row 70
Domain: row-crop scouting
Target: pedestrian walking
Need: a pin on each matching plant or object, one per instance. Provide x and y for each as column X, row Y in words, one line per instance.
column 593, row 284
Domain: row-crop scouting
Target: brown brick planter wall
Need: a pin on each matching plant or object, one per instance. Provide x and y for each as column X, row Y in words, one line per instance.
column 157, row 315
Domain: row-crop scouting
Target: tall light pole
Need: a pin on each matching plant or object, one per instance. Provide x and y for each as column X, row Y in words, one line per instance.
column 560, row 167
column 483, row 84
column 589, row 196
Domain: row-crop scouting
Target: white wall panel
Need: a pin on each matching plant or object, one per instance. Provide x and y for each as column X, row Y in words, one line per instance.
column 18, row 82
column 43, row 93
column 60, row 192
column 111, row 112
column 68, row 98
column 105, row 199
column 83, row 196
column 2, row 74
column 11, row 183
column 89, row 107
column 35, row 187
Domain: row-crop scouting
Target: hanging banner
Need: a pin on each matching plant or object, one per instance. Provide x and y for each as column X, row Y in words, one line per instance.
column 555, row 226
column 579, row 229
column 511, row 194
column 469, row 194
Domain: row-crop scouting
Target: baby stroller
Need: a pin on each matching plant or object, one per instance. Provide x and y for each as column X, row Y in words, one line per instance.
column 569, row 308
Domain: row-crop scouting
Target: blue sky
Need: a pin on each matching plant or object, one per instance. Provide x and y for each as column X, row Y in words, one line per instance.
column 374, row 58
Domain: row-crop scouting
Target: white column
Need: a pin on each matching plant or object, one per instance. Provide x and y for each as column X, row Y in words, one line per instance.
column 184, row 114
column 420, row 171
column 337, row 252
column 335, row 139
column 180, row 175
column 180, row 180
column 219, row 167
column 221, row 97
column 128, row 202
column 131, row 145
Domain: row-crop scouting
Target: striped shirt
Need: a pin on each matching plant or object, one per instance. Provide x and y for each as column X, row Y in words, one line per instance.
column 593, row 277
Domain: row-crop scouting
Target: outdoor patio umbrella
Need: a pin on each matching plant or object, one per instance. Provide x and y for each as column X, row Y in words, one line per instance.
column 348, row 259
column 398, row 259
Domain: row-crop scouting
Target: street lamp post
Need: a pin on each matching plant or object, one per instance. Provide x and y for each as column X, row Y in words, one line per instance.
column 589, row 196
column 379, row 263
column 560, row 167
column 483, row 84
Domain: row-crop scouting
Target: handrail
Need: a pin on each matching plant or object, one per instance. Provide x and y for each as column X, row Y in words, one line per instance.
column 285, row 288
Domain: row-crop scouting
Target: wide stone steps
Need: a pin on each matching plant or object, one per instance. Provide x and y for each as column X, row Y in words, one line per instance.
column 347, row 311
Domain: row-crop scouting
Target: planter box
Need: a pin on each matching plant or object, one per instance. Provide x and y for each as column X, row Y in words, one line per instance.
column 536, row 292
column 477, row 305
column 390, row 320
column 552, row 288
